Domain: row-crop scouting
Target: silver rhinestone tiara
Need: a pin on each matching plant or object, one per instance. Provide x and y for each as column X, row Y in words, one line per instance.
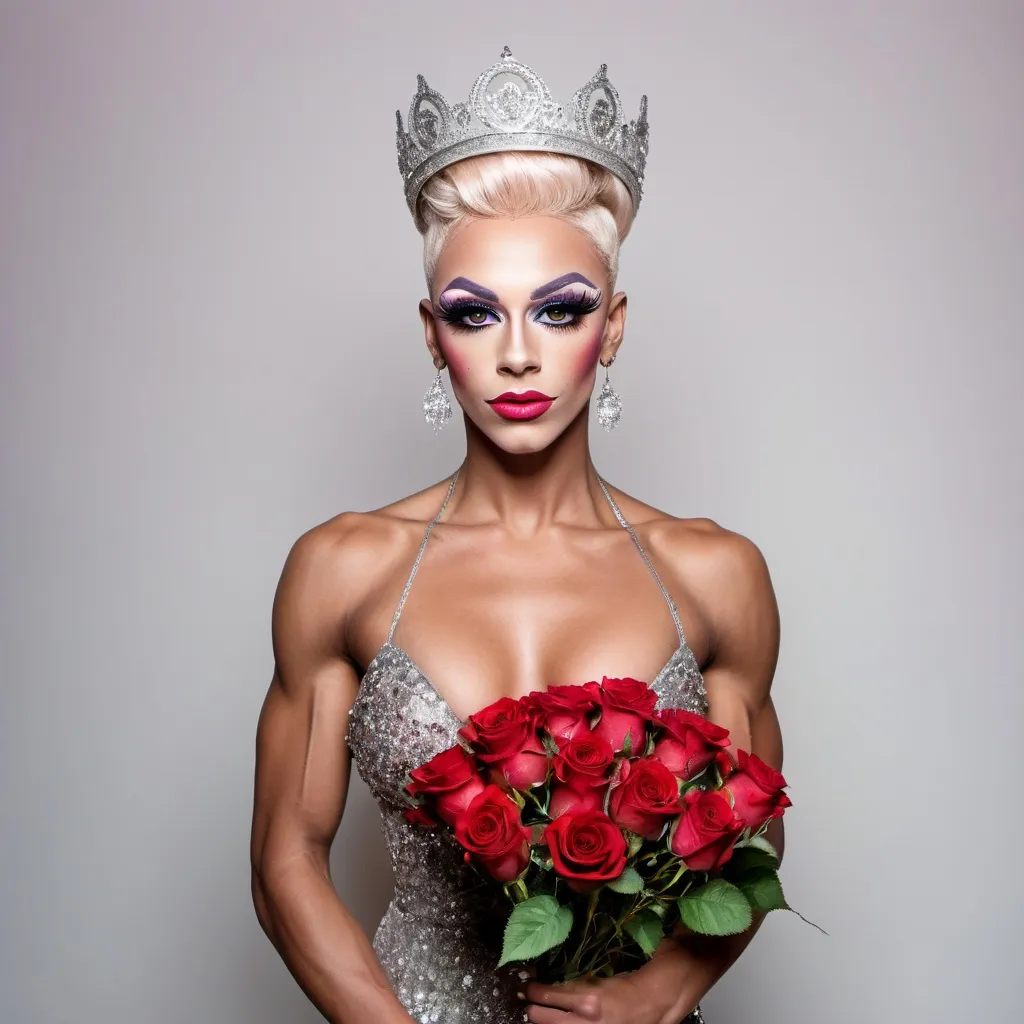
column 511, row 108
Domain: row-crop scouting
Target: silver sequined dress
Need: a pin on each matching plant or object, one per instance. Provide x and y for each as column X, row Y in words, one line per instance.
column 438, row 939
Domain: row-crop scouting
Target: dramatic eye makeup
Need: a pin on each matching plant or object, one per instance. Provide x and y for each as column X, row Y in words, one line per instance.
column 464, row 313
column 566, row 302
column 567, row 308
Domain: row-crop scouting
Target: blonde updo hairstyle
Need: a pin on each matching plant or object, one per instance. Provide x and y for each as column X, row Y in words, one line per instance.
column 525, row 184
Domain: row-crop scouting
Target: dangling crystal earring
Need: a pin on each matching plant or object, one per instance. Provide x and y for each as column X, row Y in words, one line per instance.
column 436, row 407
column 609, row 405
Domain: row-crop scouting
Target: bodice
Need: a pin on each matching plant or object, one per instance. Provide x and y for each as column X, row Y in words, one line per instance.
column 440, row 936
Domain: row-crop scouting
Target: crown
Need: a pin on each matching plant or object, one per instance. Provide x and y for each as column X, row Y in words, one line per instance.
column 510, row 108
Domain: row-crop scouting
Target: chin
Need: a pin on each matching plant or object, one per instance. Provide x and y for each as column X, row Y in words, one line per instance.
column 521, row 439
column 523, row 446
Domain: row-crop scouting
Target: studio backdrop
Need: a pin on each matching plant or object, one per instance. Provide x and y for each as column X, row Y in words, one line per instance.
column 210, row 344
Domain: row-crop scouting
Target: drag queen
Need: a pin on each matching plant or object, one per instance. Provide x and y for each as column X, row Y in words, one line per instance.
column 537, row 571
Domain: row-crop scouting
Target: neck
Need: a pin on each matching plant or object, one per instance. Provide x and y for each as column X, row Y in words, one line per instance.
column 527, row 493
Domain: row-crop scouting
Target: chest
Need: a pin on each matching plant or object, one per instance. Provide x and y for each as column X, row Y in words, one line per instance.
column 400, row 719
column 486, row 617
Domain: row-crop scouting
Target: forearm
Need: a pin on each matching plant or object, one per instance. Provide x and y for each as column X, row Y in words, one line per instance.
column 686, row 965
column 323, row 945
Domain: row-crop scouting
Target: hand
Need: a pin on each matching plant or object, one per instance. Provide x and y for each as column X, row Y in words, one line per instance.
column 616, row 1000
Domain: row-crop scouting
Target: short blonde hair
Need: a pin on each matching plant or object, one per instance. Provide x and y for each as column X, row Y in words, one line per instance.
column 524, row 184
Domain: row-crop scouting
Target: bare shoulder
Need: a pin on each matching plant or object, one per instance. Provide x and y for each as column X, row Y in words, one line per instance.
column 700, row 542
column 335, row 566
column 723, row 570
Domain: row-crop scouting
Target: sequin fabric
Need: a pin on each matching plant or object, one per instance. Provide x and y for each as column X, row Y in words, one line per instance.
column 440, row 935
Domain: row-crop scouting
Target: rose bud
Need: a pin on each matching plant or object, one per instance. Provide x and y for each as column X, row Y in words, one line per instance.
column 645, row 797
column 704, row 835
column 419, row 816
column 504, row 736
column 688, row 742
column 450, row 778
column 626, row 708
column 587, row 849
column 756, row 790
column 563, row 710
column 491, row 833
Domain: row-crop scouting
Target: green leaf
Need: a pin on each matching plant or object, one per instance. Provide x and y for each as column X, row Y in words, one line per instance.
column 628, row 882
column 748, row 858
column 646, row 930
column 535, row 926
column 762, row 888
column 717, row 908
column 760, row 843
column 627, row 744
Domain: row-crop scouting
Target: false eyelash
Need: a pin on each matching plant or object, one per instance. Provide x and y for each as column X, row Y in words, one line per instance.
column 452, row 311
column 579, row 304
column 588, row 297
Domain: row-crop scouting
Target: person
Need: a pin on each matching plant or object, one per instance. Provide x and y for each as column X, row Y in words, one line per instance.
column 537, row 572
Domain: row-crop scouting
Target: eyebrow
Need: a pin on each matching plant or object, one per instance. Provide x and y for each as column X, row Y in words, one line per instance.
column 559, row 282
column 471, row 286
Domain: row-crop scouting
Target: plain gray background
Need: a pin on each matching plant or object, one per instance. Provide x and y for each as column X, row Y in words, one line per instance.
column 210, row 344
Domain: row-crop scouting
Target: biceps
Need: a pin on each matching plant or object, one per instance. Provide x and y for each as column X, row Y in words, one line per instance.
column 748, row 712
column 302, row 771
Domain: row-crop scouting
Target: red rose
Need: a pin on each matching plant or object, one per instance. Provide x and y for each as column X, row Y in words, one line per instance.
column 587, row 849
column 562, row 710
column 645, row 796
column 704, row 835
column 626, row 707
column 570, row 800
column 756, row 790
column 584, row 762
column 490, row 831
column 689, row 742
column 504, row 735
column 582, row 767
column 450, row 778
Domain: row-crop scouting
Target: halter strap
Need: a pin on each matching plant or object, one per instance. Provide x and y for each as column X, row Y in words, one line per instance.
column 650, row 565
column 618, row 515
column 423, row 543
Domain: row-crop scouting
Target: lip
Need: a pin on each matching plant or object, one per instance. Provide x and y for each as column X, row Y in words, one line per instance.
column 521, row 405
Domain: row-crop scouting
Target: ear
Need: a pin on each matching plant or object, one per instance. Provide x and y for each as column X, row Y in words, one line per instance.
column 614, row 328
column 430, row 333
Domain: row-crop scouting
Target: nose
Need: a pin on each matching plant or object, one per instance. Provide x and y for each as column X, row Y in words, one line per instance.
column 516, row 354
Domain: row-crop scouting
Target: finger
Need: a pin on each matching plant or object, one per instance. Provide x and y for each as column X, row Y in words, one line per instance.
column 548, row 1015
column 562, row 996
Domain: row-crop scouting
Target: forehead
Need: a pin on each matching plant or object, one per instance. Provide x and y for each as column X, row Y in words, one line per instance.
column 516, row 254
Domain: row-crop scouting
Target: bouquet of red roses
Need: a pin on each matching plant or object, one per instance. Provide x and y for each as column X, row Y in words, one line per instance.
column 606, row 821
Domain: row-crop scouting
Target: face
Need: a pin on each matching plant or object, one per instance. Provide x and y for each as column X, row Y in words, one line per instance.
column 520, row 313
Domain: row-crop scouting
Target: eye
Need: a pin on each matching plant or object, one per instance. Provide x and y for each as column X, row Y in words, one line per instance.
column 467, row 316
column 555, row 315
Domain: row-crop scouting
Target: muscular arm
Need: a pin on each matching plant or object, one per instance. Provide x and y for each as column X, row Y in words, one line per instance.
column 744, row 617
column 301, row 784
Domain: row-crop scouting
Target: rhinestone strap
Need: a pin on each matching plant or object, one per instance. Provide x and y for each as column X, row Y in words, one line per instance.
column 618, row 515
column 650, row 565
column 423, row 543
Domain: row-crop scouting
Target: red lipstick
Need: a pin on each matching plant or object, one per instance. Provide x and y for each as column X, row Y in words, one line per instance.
column 521, row 405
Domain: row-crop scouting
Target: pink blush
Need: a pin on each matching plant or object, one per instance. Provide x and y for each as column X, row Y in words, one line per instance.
column 588, row 357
